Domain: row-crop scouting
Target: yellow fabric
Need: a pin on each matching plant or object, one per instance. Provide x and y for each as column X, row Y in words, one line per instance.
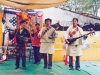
column 1, row 15
column 32, row 4
column 21, row 31
column 24, row 15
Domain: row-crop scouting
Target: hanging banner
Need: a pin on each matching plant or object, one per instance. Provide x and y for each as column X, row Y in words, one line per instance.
column 11, row 17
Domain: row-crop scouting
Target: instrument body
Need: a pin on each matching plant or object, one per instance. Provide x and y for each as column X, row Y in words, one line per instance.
column 71, row 41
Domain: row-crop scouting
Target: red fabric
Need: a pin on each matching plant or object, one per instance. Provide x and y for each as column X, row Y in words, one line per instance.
column 14, row 39
column 74, row 32
column 36, row 40
column 66, row 61
column 19, row 13
column 25, row 46
column 22, row 16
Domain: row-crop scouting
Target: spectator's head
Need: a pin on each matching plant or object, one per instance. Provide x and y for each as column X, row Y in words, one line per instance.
column 37, row 25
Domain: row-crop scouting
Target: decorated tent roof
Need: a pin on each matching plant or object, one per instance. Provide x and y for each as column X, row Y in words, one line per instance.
column 31, row 4
column 30, row 12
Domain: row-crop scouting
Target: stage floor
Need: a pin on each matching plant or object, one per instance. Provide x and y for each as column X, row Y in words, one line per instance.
column 87, row 68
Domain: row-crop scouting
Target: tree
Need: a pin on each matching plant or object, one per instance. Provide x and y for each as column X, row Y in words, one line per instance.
column 83, row 6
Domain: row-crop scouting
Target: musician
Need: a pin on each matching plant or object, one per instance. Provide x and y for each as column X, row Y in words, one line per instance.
column 47, row 42
column 74, row 49
column 20, row 34
column 36, row 45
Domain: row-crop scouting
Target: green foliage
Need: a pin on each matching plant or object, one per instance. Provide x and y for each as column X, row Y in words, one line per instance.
column 85, row 6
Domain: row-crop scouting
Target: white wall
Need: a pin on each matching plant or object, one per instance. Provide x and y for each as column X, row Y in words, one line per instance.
column 63, row 15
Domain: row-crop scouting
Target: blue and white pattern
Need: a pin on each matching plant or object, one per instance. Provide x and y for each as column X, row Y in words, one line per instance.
column 13, row 21
column 11, row 17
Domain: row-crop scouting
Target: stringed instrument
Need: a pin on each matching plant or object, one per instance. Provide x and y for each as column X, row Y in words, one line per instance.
column 71, row 41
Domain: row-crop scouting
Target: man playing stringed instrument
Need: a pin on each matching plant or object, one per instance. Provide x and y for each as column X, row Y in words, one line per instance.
column 20, row 34
column 47, row 35
column 74, row 49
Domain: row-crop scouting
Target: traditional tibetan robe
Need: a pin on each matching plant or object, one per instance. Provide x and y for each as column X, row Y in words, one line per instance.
column 47, row 44
column 74, row 49
column 20, row 35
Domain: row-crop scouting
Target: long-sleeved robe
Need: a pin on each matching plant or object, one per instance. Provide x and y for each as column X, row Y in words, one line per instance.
column 47, row 45
column 75, row 49
column 20, row 48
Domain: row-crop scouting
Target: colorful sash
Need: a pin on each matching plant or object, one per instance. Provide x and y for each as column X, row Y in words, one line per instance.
column 44, row 32
column 73, row 32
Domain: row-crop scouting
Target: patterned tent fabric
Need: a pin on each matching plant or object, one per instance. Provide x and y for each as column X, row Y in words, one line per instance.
column 11, row 17
column 31, row 4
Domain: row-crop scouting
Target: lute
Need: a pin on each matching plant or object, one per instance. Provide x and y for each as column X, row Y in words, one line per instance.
column 71, row 41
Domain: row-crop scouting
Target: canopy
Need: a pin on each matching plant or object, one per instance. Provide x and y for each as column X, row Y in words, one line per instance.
column 31, row 4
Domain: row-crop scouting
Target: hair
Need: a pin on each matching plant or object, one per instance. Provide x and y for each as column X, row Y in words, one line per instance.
column 48, row 19
column 22, row 21
column 37, row 24
column 75, row 19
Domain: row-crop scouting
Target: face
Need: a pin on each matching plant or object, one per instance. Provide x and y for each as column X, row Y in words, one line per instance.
column 48, row 23
column 75, row 22
column 23, row 25
column 37, row 26
column 57, row 28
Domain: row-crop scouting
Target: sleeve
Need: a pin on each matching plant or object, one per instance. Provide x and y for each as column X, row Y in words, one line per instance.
column 56, row 35
column 11, row 35
column 40, row 33
column 82, row 33
column 27, row 34
column 66, row 36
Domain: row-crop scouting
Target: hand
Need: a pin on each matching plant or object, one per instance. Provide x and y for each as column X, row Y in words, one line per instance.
column 53, row 32
column 11, row 32
column 26, row 40
column 86, row 35
column 15, row 44
column 66, row 41
column 39, row 36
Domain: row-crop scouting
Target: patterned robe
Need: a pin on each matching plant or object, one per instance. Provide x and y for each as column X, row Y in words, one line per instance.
column 20, row 47
column 47, row 45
